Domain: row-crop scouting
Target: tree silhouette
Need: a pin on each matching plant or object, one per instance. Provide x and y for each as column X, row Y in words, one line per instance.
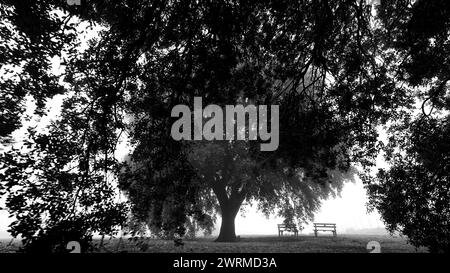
column 317, row 66
column 413, row 195
column 335, row 71
column 57, row 182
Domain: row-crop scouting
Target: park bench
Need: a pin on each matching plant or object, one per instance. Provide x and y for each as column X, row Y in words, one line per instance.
column 287, row 227
column 325, row 227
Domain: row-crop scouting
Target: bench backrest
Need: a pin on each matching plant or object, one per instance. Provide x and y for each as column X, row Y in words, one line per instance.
column 325, row 225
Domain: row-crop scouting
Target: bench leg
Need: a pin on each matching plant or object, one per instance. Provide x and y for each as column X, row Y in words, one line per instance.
column 315, row 232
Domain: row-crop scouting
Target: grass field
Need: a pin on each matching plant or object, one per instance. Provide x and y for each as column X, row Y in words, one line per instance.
column 255, row 244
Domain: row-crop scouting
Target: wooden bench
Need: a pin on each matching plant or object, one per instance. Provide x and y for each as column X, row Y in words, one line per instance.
column 291, row 228
column 325, row 227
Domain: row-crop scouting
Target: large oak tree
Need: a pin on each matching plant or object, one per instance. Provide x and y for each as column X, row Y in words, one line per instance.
column 329, row 65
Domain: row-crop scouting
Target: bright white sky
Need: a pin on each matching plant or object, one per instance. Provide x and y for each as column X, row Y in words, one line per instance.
column 348, row 212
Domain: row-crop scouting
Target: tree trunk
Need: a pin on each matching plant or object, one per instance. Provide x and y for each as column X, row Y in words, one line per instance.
column 229, row 207
column 227, row 228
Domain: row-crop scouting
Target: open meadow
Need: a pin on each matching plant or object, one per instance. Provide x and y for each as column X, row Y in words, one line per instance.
column 252, row 244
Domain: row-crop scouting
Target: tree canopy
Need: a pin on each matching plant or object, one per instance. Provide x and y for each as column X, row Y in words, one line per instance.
column 336, row 71
column 413, row 194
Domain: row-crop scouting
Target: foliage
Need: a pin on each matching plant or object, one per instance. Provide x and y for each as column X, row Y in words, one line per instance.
column 336, row 72
column 32, row 34
column 413, row 194
column 59, row 184
column 318, row 65
column 53, row 198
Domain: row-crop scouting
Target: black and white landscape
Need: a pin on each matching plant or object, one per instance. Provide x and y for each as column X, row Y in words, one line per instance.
column 156, row 126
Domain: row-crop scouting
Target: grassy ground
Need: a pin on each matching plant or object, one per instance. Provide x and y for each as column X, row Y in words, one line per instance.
column 255, row 244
